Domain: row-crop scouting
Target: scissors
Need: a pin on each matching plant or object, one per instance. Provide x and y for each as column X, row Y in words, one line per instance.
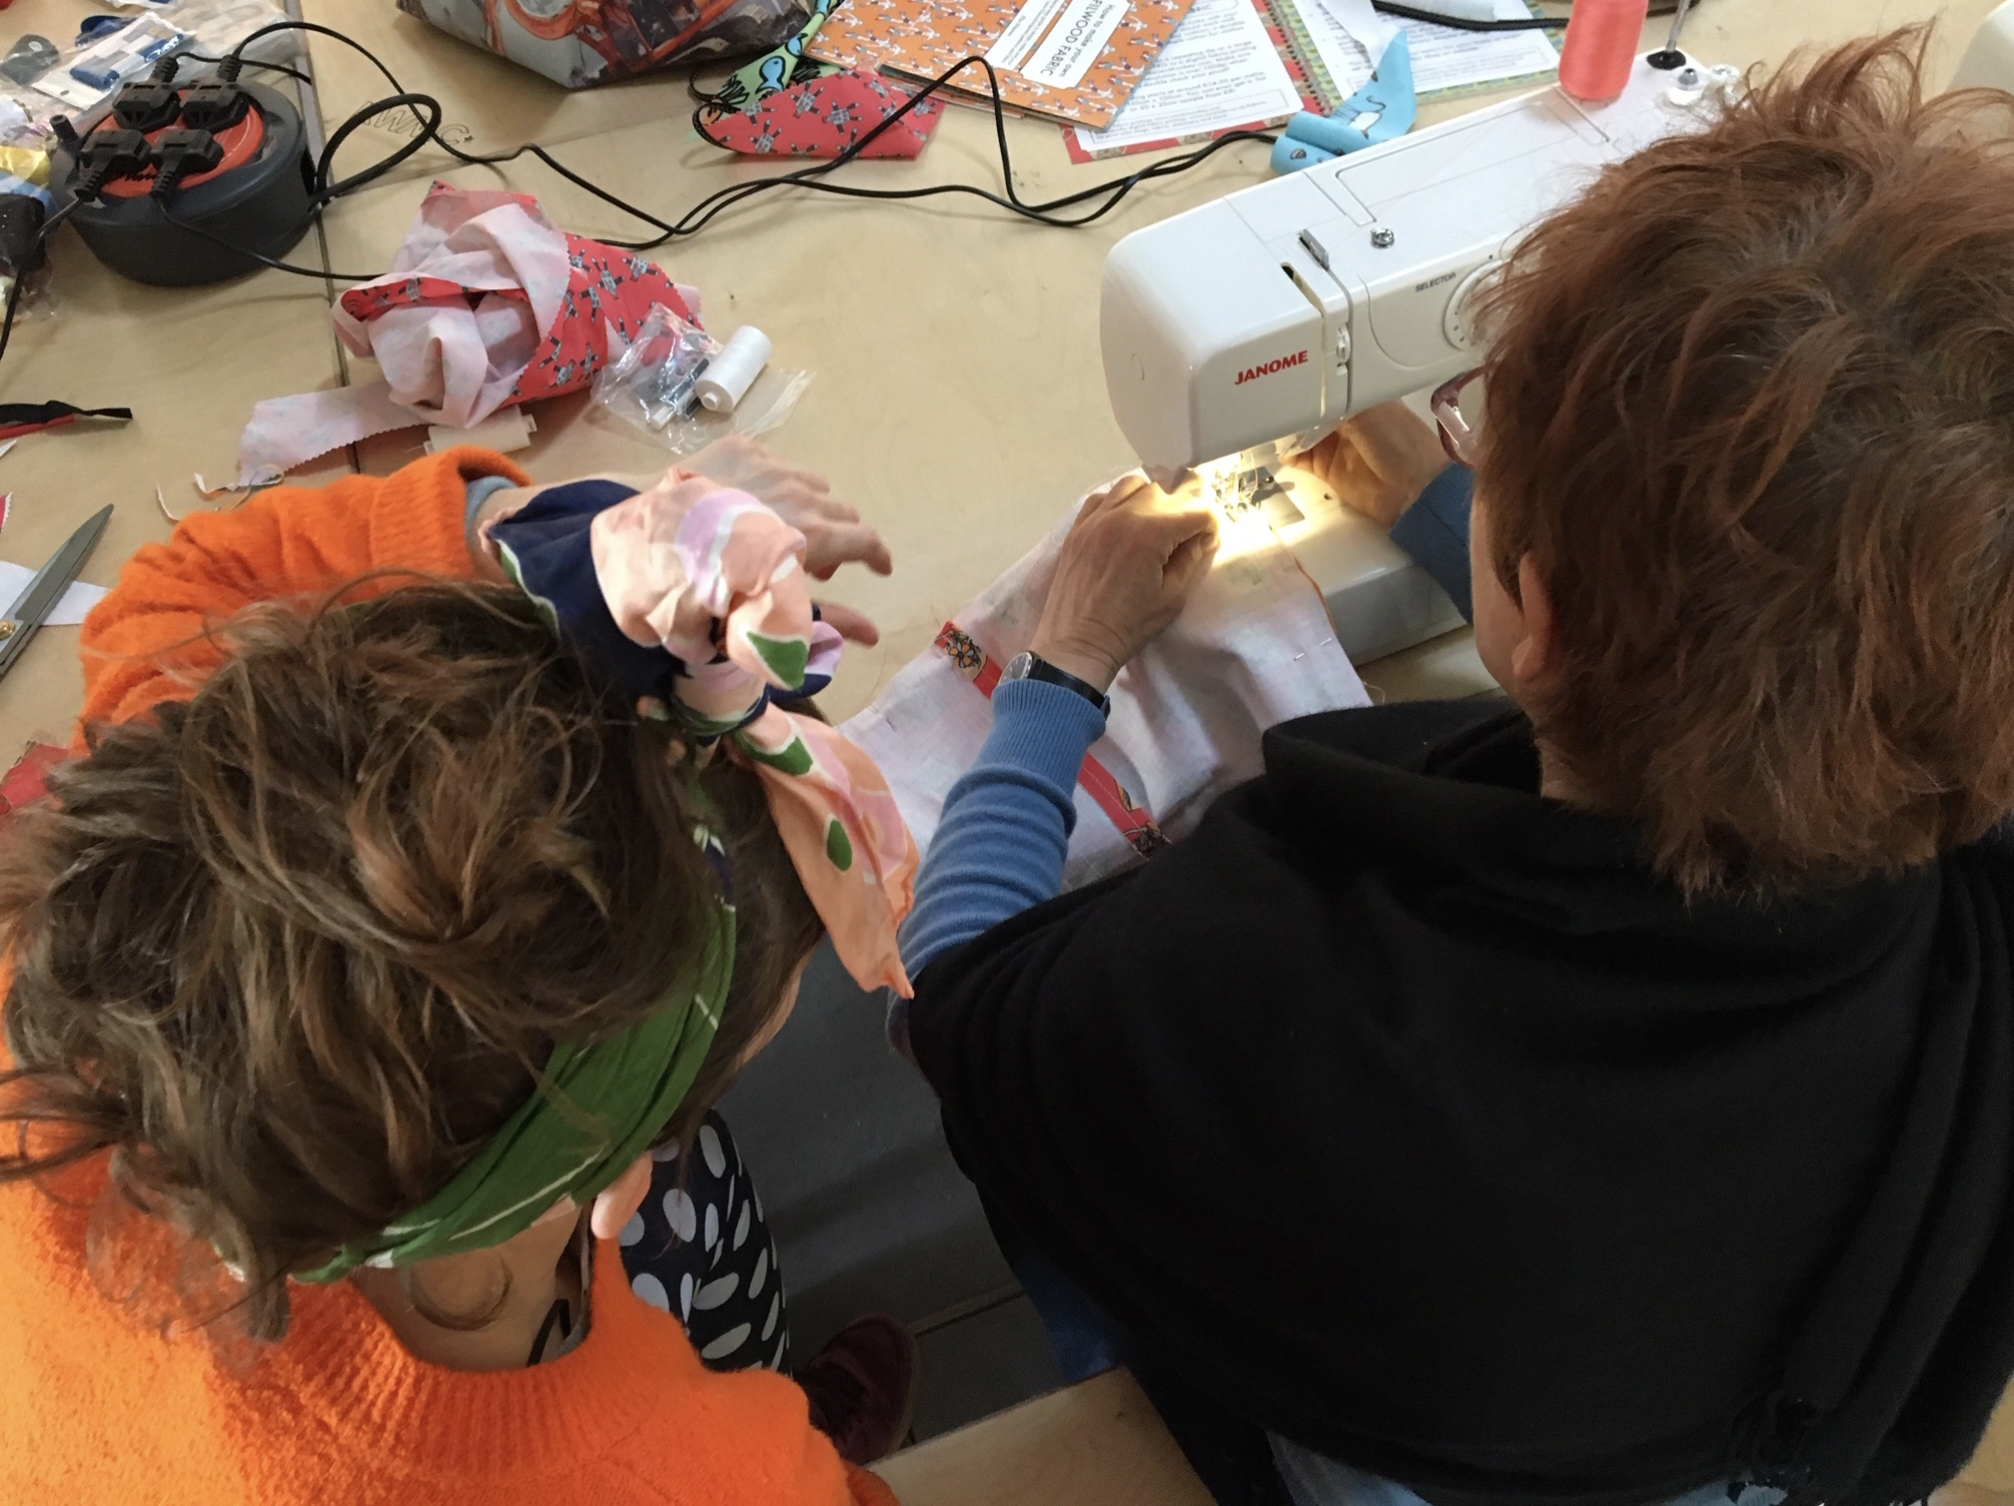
column 34, row 605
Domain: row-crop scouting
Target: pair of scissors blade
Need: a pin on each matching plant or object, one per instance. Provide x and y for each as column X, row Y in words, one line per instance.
column 34, row 604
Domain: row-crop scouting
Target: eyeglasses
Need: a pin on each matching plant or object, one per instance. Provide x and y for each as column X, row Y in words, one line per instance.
column 1459, row 437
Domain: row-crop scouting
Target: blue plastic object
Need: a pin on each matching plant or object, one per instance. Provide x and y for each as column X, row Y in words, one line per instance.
column 1291, row 154
column 1384, row 108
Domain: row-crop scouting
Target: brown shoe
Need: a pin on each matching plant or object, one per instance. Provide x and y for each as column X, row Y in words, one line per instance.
column 862, row 1388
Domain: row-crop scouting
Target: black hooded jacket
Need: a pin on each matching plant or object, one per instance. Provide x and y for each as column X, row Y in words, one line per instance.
column 1406, row 1114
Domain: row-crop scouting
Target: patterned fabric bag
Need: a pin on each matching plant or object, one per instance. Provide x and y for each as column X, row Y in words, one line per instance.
column 580, row 43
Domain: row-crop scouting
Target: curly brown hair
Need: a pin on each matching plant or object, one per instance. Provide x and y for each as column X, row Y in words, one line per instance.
column 291, row 951
column 1751, row 413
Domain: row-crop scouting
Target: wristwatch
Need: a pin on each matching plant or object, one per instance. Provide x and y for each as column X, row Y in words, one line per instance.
column 1026, row 666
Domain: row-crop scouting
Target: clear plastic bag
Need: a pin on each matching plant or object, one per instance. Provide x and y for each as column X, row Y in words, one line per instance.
column 211, row 27
column 25, row 171
column 654, row 385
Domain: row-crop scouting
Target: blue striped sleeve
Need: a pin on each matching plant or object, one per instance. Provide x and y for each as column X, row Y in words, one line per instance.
column 1435, row 532
column 1005, row 828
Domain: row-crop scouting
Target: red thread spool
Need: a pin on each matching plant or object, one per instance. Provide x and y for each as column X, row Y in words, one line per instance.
column 1600, row 48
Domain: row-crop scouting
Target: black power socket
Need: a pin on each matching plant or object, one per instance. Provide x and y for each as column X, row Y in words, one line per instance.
column 182, row 154
column 146, row 107
column 215, row 107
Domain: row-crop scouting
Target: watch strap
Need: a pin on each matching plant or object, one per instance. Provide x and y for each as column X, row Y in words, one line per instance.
column 1039, row 668
column 1126, row 810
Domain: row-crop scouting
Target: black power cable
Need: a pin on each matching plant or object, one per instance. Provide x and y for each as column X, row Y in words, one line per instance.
column 695, row 219
column 320, row 273
column 812, row 178
column 707, row 209
column 293, row 73
column 1462, row 23
column 429, row 114
column 429, row 131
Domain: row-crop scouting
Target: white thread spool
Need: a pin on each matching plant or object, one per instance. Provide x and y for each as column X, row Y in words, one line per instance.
column 732, row 372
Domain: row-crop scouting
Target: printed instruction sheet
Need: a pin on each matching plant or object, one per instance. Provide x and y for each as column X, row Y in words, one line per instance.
column 1349, row 35
column 1220, row 70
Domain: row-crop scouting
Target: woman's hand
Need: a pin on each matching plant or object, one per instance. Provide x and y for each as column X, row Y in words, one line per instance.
column 1377, row 462
column 833, row 532
column 1128, row 565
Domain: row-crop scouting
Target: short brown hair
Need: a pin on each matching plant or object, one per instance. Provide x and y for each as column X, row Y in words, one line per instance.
column 1751, row 412
column 293, row 950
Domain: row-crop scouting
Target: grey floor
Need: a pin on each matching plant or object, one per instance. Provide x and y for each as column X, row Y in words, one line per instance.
column 870, row 1212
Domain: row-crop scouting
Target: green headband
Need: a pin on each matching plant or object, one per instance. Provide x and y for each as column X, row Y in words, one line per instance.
column 596, row 1109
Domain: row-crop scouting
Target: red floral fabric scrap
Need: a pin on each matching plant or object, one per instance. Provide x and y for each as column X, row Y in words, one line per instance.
column 822, row 117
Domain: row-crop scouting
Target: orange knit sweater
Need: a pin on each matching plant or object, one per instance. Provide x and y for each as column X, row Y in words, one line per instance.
column 95, row 1408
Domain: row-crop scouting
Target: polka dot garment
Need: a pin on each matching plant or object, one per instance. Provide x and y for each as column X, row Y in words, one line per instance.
column 699, row 1249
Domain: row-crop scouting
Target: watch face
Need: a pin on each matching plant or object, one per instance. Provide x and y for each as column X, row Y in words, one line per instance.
column 1018, row 667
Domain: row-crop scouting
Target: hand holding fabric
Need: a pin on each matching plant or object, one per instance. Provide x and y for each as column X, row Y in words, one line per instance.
column 1128, row 565
column 1377, row 462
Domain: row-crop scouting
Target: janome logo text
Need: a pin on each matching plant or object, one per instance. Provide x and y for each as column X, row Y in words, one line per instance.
column 1266, row 369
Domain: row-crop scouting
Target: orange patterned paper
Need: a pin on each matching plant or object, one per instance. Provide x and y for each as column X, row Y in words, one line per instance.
column 1071, row 60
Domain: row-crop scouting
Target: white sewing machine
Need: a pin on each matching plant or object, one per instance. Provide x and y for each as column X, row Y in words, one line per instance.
column 1236, row 330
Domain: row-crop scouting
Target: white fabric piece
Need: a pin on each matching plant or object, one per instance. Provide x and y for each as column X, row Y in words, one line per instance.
column 290, row 431
column 454, row 365
column 71, row 607
column 1254, row 647
column 506, row 431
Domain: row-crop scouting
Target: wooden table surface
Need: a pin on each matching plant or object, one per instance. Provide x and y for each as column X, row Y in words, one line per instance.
column 958, row 399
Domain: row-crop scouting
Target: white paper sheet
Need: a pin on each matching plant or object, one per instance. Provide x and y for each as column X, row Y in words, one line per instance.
column 1444, row 57
column 1074, row 43
column 1369, row 30
column 1345, row 58
column 1466, row 10
column 70, row 607
column 1447, row 58
column 1017, row 43
column 1217, row 71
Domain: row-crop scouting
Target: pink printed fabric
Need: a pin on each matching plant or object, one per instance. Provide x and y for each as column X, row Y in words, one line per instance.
column 824, row 117
column 488, row 303
column 716, row 579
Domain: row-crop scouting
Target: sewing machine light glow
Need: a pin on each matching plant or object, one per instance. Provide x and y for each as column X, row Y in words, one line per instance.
column 1219, row 480
column 1235, row 490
